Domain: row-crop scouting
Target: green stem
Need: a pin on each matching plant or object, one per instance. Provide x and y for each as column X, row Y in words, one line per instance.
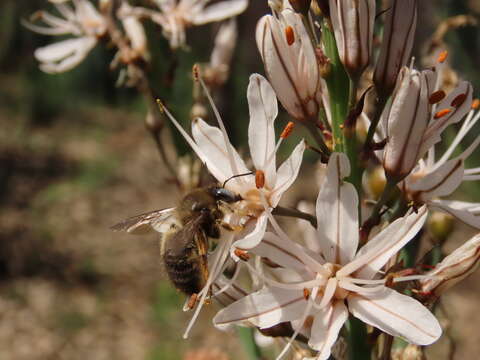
column 338, row 87
column 249, row 344
column 358, row 348
column 350, row 141
column 281, row 211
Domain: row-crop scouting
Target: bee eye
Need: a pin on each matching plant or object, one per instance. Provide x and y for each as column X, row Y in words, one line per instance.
column 226, row 195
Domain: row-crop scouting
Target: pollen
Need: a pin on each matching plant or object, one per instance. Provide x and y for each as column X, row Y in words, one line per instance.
column 287, row 130
column 192, row 301
column 259, row 179
column 306, row 293
column 289, row 35
column 242, row 254
column 436, row 97
column 459, row 100
column 475, row 104
column 441, row 113
column 442, row 56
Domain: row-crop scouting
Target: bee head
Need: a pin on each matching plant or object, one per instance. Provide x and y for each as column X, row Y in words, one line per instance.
column 222, row 194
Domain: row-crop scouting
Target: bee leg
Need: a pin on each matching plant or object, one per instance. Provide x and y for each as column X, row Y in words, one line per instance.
column 230, row 227
column 192, row 301
column 202, row 248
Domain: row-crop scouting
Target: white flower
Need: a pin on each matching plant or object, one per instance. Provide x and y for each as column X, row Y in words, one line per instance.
column 411, row 123
column 135, row 33
column 453, row 269
column 266, row 188
column 433, row 179
column 352, row 22
column 343, row 280
column 83, row 21
column 290, row 63
column 177, row 15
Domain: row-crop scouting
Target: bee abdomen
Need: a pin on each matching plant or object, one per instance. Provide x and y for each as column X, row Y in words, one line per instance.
column 184, row 272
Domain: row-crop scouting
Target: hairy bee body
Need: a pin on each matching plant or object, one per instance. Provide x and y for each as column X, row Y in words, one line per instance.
column 185, row 231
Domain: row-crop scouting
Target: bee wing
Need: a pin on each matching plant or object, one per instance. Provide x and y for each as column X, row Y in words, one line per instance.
column 158, row 220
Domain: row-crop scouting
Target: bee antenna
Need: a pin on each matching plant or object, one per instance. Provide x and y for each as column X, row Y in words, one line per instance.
column 236, row 176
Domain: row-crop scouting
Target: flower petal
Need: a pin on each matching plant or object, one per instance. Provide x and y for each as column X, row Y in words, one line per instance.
column 397, row 315
column 287, row 173
column 464, row 211
column 326, row 326
column 337, row 213
column 62, row 49
column 262, row 104
column 371, row 257
column 212, row 143
column 252, row 234
column 440, row 182
column 264, row 308
column 220, row 11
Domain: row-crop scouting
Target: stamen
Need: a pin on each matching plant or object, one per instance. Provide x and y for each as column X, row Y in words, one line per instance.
column 442, row 56
column 441, row 113
column 219, row 260
column 287, row 130
column 242, row 254
column 228, row 283
column 475, row 104
column 436, row 97
column 231, row 158
column 306, row 293
column 259, row 179
column 459, row 100
column 329, row 292
column 192, row 301
column 289, row 35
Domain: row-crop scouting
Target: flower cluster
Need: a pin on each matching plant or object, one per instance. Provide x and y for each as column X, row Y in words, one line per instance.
column 348, row 263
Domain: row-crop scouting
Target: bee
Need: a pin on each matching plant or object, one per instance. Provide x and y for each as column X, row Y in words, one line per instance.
column 185, row 233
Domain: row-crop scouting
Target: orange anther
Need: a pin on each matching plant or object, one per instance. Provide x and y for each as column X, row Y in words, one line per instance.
column 436, row 97
column 287, row 130
column 192, row 301
column 458, row 101
column 442, row 56
column 442, row 113
column 242, row 254
column 475, row 104
column 306, row 293
column 259, row 179
column 289, row 35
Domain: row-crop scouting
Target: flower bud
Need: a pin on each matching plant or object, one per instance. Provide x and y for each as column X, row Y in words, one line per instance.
column 406, row 120
column 290, row 63
column 440, row 225
column 397, row 43
column 454, row 268
column 352, row 22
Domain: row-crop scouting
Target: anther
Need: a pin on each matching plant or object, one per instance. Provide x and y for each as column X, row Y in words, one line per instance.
column 441, row 113
column 289, row 35
column 287, row 130
column 192, row 301
column 459, row 100
column 442, row 56
column 242, row 254
column 306, row 293
column 475, row 104
column 160, row 105
column 259, row 179
column 196, row 72
column 436, row 97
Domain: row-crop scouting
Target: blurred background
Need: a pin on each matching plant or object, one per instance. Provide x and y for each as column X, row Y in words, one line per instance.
column 75, row 158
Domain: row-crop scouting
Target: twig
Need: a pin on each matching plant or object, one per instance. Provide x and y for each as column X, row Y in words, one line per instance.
column 290, row 212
